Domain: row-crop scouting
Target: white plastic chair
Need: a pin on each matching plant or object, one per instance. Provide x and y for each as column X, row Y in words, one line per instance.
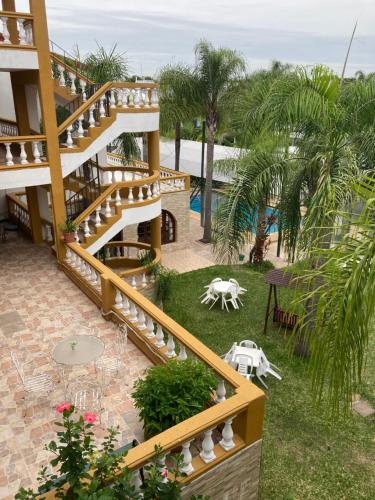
column 215, row 280
column 232, row 299
column 209, row 296
column 112, row 362
column 38, row 385
column 241, row 290
column 249, row 344
column 244, row 362
column 228, row 357
column 265, row 368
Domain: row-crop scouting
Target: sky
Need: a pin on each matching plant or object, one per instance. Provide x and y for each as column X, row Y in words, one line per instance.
column 153, row 33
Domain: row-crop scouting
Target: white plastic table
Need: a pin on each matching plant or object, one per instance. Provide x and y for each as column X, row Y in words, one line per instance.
column 77, row 350
column 247, row 351
column 222, row 288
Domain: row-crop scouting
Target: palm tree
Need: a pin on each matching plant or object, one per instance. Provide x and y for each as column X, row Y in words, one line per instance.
column 331, row 131
column 343, row 290
column 105, row 66
column 177, row 104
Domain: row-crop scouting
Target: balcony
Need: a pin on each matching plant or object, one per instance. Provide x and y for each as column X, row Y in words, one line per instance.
column 51, row 308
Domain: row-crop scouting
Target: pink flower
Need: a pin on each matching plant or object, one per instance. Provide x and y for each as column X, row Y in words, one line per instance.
column 63, row 406
column 164, row 472
column 89, row 417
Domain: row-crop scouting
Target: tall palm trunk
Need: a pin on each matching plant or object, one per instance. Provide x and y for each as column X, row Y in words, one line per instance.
column 177, row 146
column 208, row 187
column 257, row 252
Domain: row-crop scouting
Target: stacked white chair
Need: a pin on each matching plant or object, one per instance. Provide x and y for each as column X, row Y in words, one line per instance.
column 266, row 368
column 112, row 363
column 209, row 295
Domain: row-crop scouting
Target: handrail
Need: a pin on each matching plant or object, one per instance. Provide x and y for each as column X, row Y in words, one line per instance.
column 60, row 61
column 113, row 187
column 135, row 244
column 85, row 106
column 17, row 201
column 16, row 15
column 20, row 138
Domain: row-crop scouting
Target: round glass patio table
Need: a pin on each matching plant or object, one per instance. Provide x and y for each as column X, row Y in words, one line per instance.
column 77, row 350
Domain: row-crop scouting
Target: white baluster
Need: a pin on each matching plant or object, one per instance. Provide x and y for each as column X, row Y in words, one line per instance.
column 62, row 82
column 112, row 100
column 150, row 328
column 144, row 280
column 29, row 34
column 130, row 197
column 118, row 299
column 6, row 35
column 94, row 277
column 207, row 454
column 182, row 355
column 108, row 211
column 21, row 32
column 154, row 190
column 118, row 198
column 149, row 194
column 146, row 98
column 131, row 98
column 68, row 257
column 140, row 193
column 134, row 282
column 73, row 259
column 187, row 467
column 141, row 319
column 98, row 221
column 159, row 336
column 107, row 253
column 123, row 176
column 220, row 391
column 91, row 116
column 86, row 227
column 82, row 84
column 137, row 98
column 170, row 346
column 76, row 237
column 124, row 98
column 23, row 155
column 36, row 152
column 69, row 140
column 133, row 313
column 154, row 98
column 125, row 305
column 101, row 107
column 8, row 154
column 80, row 130
column 227, row 435
column 73, row 88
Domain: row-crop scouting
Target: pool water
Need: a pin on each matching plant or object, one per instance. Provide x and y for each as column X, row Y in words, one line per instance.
column 196, row 206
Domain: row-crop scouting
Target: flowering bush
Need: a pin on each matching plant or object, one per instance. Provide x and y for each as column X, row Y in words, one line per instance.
column 85, row 471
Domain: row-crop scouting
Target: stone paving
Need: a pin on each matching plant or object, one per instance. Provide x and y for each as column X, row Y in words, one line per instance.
column 39, row 305
column 197, row 255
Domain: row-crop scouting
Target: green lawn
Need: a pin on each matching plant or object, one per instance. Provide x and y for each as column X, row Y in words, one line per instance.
column 302, row 458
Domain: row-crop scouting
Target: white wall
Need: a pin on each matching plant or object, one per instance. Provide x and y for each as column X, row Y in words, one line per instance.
column 6, row 97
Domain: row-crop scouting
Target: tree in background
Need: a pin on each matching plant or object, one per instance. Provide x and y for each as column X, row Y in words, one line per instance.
column 177, row 104
column 104, row 66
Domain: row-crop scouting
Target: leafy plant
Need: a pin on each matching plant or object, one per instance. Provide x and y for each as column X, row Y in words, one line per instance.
column 102, row 66
column 89, row 472
column 261, row 267
column 145, row 258
column 69, row 226
column 171, row 393
column 164, row 280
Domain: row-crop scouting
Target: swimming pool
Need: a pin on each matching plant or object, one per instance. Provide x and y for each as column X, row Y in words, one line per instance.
column 196, row 206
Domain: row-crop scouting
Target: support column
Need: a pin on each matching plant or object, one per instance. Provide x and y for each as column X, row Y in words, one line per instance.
column 48, row 106
column 23, row 124
column 153, row 153
column 33, row 206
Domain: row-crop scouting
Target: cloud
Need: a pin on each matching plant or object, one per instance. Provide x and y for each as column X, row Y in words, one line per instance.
column 165, row 32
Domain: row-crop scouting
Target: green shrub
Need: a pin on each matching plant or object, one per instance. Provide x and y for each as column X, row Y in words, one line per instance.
column 69, row 226
column 172, row 393
column 262, row 267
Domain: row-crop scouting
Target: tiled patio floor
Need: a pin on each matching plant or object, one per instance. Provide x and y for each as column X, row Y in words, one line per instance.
column 39, row 305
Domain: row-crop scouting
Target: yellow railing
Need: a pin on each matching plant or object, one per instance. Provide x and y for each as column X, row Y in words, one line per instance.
column 238, row 411
column 18, row 213
column 24, row 151
column 17, row 30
